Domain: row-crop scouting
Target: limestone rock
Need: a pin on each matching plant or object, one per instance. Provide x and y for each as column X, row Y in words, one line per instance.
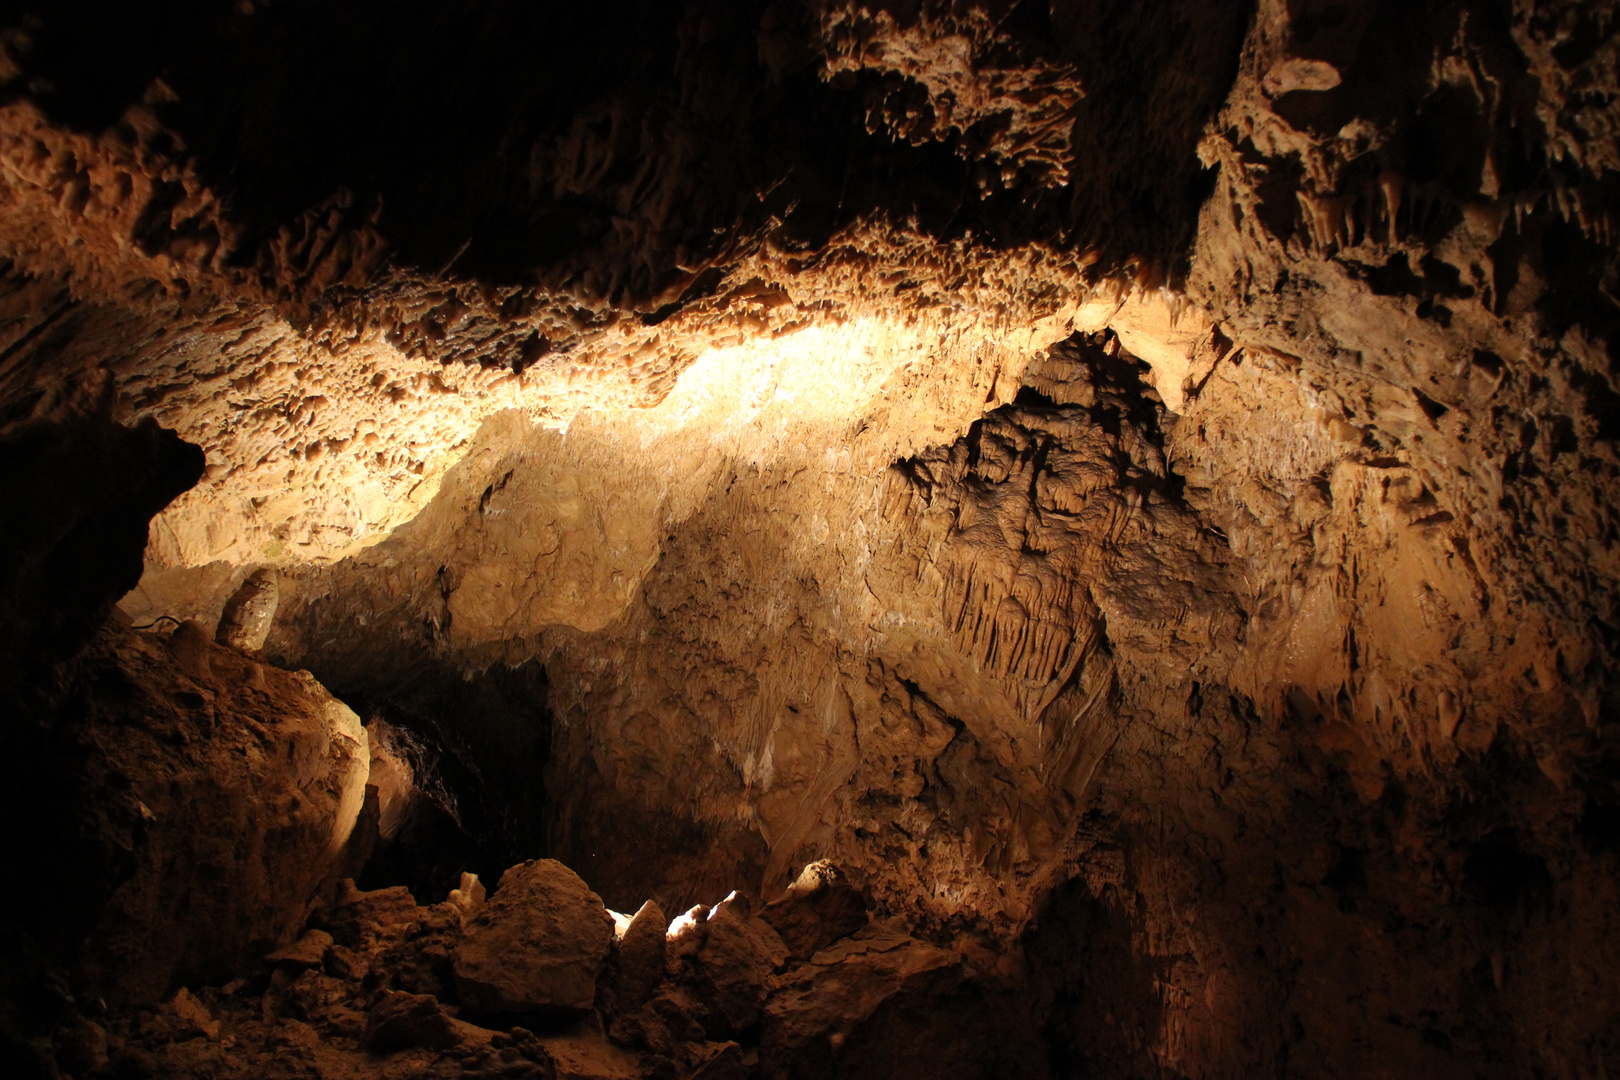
column 470, row 895
column 307, row 952
column 841, row 990
column 731, row 969
column 239, row 800
column 402, row 1021
column 365, row 920
column 589, row 1056
column 81, row 1046
column 820, row 907
column 719, row 1061
column 192, row 1016
column 639, row 958
column 249, row 613
column 1135, row 484
column 538, row 944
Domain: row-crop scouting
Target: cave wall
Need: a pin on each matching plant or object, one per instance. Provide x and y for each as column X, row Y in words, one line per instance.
column 1133, row 486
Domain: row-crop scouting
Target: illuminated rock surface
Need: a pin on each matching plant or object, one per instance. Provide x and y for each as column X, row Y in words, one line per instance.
column 1096, row 522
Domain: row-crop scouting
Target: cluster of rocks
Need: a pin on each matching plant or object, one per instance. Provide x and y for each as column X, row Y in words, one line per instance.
column 541, row 981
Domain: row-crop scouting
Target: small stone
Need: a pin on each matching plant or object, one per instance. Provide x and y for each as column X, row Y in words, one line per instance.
column 401, row 1021
column 193, row 1015
column 307, row 952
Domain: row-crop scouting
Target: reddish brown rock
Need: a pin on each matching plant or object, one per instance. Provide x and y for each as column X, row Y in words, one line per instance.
column 242, row 798
column 827, row 1001
column 408, row 1021
column 537, row 945
column 639, row 958
column 731, row 969
column 819, row 908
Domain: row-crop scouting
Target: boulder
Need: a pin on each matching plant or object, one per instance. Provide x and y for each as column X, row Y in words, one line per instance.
column 841, row 992
column 81, row 1046
column 732, row 968
column 719, row 1061
column 230, row 805
column 537, row 945
column 371, row 920
column 308, row 951
column 640, row 958
column 400, row 1021
column 819, row 908
column 191, row 1017
column 250, row 612
column 587, row 1055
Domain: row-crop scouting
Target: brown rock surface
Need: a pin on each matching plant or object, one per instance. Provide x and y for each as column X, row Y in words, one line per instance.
column 639, row 958
column 538, row 944
column 842, row 989
column 249, row 613
column 1133, row 486
column 731, row 969
column 820, row 907
column 227, row 804
column 401, row 1021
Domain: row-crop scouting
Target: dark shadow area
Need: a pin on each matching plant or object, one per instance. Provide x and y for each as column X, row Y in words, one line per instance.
column 614, row 148
column 477, row 748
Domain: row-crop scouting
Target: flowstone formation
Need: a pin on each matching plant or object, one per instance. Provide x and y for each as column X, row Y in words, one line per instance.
column 1068, row 539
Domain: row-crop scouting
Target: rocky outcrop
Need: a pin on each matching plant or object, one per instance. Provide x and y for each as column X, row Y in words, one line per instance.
column 730, row 964
column 819, row 908
column 844, row 988
column 638, row 960
column 81, row 490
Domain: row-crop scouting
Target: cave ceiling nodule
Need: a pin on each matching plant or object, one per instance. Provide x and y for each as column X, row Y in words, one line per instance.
column 1085, row 538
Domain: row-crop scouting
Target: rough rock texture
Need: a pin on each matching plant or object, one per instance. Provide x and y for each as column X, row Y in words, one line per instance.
column 1132, row 485
column 820, row 907
column 79, row 491
column 249, row 613
column 225, row 792
column 538, row 944
column 733, row 965
column 842, row 989
column 373, row 1003
column 401, row 1021
column 638, row 959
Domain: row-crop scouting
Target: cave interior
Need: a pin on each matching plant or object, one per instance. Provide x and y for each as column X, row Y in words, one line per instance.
column 775, row 539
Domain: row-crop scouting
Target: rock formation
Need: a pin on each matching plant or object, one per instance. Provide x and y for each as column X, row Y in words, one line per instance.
column 1069, row 539
column 538, row 944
